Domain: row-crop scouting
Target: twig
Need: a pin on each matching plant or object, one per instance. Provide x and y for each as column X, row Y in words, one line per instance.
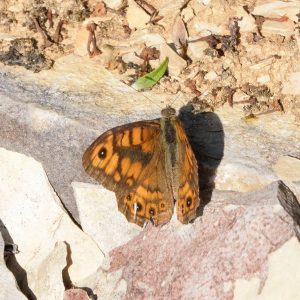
column 50, row 18
column 92, row 40
column 46, row 39
column 57, row 35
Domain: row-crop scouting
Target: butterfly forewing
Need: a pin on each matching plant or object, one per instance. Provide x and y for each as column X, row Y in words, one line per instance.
column 117, row 157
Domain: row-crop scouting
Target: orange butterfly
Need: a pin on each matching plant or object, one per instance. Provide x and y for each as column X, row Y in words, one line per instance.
column 149, row 165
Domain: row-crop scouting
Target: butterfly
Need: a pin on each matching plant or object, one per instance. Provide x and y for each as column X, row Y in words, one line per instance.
column 150, row 166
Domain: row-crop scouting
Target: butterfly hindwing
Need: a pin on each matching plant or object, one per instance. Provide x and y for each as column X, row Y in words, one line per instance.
column 152, row 198
column 188, row 192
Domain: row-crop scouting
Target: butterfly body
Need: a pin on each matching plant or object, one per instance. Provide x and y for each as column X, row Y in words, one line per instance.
column 150, row 166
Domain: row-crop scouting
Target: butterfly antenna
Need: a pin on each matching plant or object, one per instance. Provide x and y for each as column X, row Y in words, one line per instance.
column 180, row 93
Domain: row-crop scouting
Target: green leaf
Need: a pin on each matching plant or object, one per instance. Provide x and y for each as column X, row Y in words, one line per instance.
column 149, row 80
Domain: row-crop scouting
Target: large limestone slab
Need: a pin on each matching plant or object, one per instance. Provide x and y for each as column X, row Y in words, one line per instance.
column 234, row 239
column 35, row 220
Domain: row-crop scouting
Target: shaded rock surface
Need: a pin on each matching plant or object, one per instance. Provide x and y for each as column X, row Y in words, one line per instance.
column 8, row 283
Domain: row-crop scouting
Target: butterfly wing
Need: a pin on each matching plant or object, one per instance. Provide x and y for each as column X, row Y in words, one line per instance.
column 152, row 198
column 188, row 192
column 129, row 160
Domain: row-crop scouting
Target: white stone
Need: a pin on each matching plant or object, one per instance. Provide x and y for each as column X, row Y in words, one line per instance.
column 143, row 36
column 288, row 168
column 274, row 27
column 263, row 63
column 277, row 208
column 284, row 266
column 230, row 207
column 227, row 286
column 207, row 28
column 240, row 96
column 8, row 287
column 7, row 36
column 100, row 217
column 246, row 21
column 196, row 49
column 131, row 57
column 115, row 4
column 246, row 289
column 43, row 119
column 263, row 79
column 292, row 85
column 211, row 76
column 206, row 2
column 29, row 209
column 16, row 8
column 198, row 27
column 187, row 14
column 136, row 16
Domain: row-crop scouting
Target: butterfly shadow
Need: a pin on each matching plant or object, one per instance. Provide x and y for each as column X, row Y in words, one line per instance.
column 206, row 136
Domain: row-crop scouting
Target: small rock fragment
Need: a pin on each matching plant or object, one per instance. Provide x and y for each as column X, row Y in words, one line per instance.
column 292, row 85
column 288, row 168
column 246, row 21
column 211, row 76
column 276, row 27
column 176, row 62
column 136, row 16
